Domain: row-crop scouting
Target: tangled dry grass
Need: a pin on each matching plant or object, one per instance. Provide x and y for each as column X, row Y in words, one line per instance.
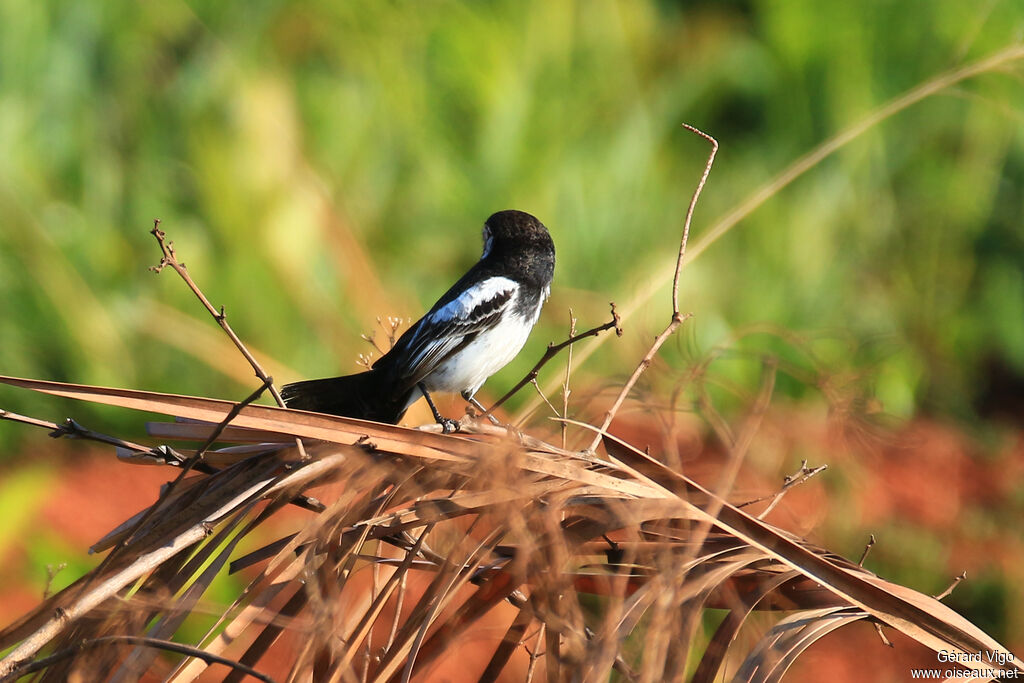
column 514, row 558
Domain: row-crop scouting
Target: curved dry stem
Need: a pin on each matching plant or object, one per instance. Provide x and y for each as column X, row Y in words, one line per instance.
column 720, row 227
column 677, row 319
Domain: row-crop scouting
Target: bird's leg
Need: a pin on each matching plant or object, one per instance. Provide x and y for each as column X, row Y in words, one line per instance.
column 447, row 424
column 479, row 406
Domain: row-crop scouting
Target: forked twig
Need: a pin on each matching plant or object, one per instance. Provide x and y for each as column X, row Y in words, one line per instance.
column 552, row 351
column 163, row 454
column 881, row 635
column 795, row 479
column 677, row 318
column 544, row 398
column 51, row 574
column 73, row 430
column 535, row 653
column 170, row 258
column 949, row 589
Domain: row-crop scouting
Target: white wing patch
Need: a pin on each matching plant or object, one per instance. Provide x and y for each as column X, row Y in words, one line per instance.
column 461, row 310
column 455, row 324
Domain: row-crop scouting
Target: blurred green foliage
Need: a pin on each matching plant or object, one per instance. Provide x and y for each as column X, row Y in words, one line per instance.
column 321, row 163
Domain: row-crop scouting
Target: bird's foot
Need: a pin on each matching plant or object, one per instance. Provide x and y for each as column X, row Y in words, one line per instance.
column 448, row 425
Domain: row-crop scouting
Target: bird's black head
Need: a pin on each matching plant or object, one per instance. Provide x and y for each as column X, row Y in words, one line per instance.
column 521, row 242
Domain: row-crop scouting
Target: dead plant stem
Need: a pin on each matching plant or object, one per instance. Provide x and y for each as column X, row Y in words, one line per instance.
column 553, row 350
column 944, row 80
column 170, row 258
column 677, row 318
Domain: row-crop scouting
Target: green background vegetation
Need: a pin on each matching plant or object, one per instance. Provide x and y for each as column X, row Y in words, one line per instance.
column 321, row 163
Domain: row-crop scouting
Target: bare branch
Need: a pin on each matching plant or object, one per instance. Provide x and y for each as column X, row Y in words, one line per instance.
column 535, row 653
column 949, row 589
column 677, row 317
column 170, row 258
column 553, row 350
column 73, row 430
column 867, row 548
column 371, row 339
column 689, row 216
column 51, row 574
column 795, row 479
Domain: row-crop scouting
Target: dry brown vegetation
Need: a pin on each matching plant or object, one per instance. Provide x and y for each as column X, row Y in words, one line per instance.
column 493, row 553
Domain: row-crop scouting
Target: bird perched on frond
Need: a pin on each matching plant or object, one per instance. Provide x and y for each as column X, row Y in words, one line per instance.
column 473, row 330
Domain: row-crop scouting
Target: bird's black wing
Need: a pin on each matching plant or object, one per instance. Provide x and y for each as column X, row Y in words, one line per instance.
column 448, row 328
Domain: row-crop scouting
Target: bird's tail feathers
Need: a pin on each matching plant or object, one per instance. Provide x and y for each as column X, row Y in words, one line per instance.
column 365, row 396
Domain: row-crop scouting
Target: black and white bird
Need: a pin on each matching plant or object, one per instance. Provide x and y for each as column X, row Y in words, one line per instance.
column 473, row 330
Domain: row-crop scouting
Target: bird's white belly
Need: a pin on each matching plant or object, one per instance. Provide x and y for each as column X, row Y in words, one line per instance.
column 484, row 356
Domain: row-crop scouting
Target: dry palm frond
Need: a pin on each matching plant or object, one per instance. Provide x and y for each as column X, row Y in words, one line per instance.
column 463, row 531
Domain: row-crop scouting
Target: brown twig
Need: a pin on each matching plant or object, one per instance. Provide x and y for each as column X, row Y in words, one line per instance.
column 881, row 635
column 867, row 549
column 371, row 339
column 170, row 258
column 949, row 589
column 565, row 385
column 677, row 318
column 795, row 479
column 553, row 350
column 51, row 574
column 169, row 645
column 73, row 430
column 545, row 398
column 535, row 653
column 232, row 414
